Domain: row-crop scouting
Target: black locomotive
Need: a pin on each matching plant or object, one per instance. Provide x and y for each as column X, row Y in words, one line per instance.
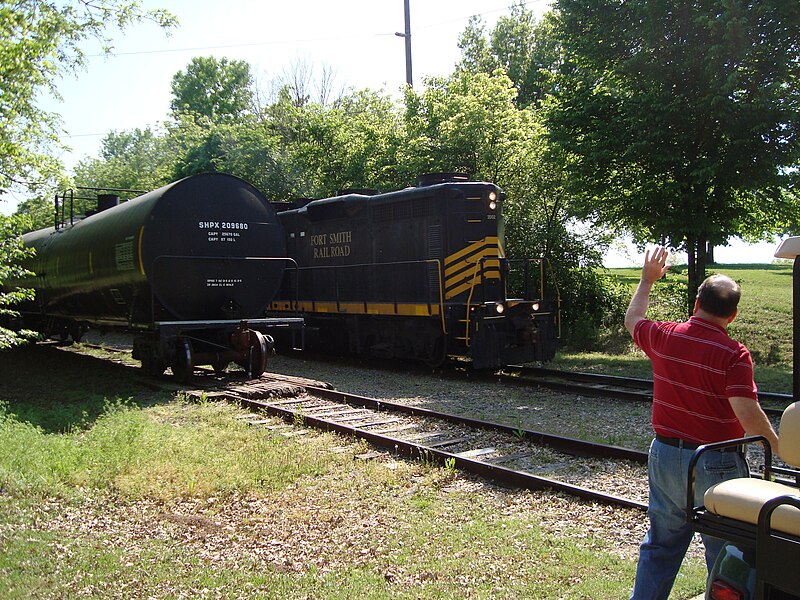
column 418, row 273
column 189, row 266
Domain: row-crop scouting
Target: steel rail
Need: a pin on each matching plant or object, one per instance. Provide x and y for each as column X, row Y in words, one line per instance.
column 497, row 473
column 608, row 386
column 563, row 444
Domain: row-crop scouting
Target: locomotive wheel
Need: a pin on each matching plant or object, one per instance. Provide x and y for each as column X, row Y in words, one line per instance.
column 183, row 363
column 438, row 354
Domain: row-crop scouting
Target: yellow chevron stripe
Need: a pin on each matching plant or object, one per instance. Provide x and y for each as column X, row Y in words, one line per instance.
column 451, row 293
column 479, row 252
column 470, row 249
column 489, row 266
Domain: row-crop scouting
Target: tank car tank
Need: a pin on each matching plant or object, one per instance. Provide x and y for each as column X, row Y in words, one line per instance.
column 190, row 266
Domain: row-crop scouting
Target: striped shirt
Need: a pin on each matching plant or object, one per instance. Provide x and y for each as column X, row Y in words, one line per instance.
column 696, row 368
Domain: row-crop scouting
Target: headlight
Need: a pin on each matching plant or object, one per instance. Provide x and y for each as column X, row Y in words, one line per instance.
column 535, row 307
column 492, row 200
column 499, row 308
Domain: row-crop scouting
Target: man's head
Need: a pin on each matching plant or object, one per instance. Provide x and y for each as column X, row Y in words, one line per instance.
column 718, row 296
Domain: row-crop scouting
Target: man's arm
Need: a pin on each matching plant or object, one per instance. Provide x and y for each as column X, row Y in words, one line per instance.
column 654, row 268
column 754, row 420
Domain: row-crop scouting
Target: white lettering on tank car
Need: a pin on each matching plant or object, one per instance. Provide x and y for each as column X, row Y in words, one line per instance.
column 216, row 283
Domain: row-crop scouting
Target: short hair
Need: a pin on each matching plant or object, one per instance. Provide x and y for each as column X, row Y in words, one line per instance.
column 719, row 295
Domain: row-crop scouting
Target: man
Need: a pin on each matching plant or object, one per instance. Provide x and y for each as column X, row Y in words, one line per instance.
column 703, row 392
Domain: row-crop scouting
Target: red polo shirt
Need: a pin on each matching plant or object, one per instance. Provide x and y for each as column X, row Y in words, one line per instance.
column 696, row 368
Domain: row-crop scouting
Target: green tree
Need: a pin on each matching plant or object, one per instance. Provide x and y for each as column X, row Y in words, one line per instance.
column 349, row 143
column 208, row 97
column 41, row 41
column 140, row 159
column 12, row 253
column 528, row 51
column 218, row 89
column 681, row 120
column 467, row 123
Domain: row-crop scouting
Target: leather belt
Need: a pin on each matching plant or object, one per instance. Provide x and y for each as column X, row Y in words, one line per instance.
column 683, row 444
column 677, row 442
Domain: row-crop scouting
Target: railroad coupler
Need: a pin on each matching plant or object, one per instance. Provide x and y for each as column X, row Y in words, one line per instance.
column 253, row 349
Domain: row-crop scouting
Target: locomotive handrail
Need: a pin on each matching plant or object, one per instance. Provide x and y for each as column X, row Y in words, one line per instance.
column 504, row 272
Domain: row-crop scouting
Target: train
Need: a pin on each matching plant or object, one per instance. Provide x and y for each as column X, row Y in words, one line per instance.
column 189, row 267
column 206, row 271
column 419, row 273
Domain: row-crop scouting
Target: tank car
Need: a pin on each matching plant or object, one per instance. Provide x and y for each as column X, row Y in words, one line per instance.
column 418, row 273
column 189, row 267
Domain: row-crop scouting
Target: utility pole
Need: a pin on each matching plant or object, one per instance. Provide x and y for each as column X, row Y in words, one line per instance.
column 407, row 36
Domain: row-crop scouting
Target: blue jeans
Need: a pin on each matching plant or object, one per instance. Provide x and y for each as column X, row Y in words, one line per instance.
column 668, row 538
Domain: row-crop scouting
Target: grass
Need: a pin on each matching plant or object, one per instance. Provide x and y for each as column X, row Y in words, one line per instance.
column 153, row 496
column 764, row 325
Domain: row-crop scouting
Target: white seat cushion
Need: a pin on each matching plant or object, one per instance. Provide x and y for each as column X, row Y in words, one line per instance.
column 789, row 435
column 742, row 499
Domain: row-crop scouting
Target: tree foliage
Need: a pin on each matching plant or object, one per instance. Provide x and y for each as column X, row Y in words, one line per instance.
column 680, row 119
column 217, row 89
column 42, row 42
column 527, row 50
column 12, row 253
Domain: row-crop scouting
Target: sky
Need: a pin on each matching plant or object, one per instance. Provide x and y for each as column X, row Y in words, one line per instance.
column 354, row 38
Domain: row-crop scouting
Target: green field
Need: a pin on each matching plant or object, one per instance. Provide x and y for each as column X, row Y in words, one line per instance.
column 764, row 325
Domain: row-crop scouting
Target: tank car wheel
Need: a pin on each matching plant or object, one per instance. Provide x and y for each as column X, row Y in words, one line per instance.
column 76, row 332
column 183, row 363
column 152, row 366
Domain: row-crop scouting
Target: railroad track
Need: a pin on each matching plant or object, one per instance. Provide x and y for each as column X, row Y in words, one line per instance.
column 504, row 454
column 589, row 384
column 508, row 455
column 610, row 386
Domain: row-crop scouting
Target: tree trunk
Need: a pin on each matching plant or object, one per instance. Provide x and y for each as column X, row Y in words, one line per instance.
column 697, row 261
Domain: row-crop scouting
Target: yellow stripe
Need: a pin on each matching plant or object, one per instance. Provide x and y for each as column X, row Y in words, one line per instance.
column 141, row 262
column 451, row 293
column 91, row 266
column 470, row 249
column 359, row 308
column 471, row 279
column 480, row 252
